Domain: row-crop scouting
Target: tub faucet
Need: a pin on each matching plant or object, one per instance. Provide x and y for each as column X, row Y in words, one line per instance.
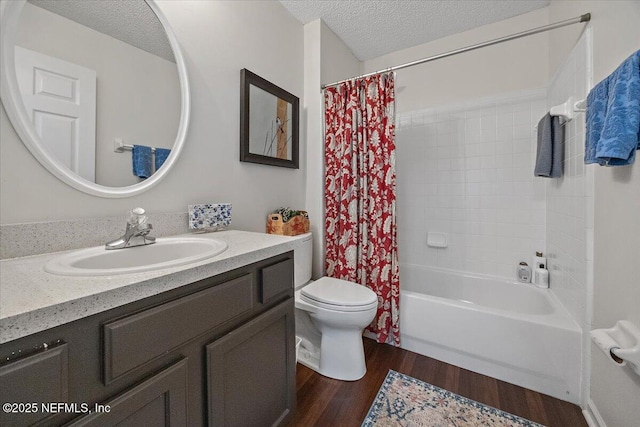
column 136, row 233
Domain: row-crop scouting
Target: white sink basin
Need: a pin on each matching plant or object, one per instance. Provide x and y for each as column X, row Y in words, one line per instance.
column 166, row 252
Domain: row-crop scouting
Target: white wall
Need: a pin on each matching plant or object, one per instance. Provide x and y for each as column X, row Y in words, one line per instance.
column 218, row 39
column 338, row 62
column 614, row 391
column 139, row 102
column 327, row 59
column 313, row 116
column 503, row 68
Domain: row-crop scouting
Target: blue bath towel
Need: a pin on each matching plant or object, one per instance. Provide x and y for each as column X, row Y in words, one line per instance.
column 613, row 116
column 596, row 112
column 550, row 151
column 161, row 156
column 141, row 156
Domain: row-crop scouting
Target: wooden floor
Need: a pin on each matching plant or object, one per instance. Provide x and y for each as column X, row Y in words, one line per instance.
column 326, row 402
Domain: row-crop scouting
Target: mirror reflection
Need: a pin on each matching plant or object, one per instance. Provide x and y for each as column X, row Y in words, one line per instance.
column 99, row 81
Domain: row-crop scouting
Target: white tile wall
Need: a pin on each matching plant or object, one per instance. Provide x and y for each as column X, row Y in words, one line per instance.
column 467, row 170
column 570, row 199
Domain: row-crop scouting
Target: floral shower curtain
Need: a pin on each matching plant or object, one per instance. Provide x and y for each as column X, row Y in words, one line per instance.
column 360, row 222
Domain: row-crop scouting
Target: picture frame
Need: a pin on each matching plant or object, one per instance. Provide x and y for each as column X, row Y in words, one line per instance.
column 269, row 123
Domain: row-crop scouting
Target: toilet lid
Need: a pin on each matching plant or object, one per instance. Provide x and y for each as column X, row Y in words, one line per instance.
column 339, row 292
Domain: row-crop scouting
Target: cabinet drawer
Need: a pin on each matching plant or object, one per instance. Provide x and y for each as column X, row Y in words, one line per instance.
column 275, row 280
column 159, row 401
column 36, row 379
column 137, row 339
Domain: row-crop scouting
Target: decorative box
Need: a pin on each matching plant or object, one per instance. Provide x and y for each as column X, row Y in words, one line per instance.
column 210, row 216
column 298, row 224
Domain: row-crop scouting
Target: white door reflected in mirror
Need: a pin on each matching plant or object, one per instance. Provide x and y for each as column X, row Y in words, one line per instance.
column 60, row 97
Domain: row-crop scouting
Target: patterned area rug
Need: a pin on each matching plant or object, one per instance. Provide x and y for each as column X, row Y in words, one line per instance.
column 405, row 401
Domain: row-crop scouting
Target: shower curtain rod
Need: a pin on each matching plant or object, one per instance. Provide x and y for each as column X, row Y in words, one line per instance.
column 582, row 18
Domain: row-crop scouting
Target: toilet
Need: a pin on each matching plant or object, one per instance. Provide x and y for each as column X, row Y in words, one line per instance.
column 330, row 317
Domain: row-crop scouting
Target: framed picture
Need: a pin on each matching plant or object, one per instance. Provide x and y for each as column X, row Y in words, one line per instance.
column 269, row 123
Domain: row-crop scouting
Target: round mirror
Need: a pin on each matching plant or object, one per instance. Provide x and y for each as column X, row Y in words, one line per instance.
column 96, row 90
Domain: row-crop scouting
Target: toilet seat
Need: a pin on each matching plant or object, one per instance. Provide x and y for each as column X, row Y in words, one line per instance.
column 339, row 295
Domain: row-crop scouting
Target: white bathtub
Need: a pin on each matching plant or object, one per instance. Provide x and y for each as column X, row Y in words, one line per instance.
column 507, row 330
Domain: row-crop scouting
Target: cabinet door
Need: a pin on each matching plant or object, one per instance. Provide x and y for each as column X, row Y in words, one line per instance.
column 251, row 371
column 158, row 401
column 30, row 382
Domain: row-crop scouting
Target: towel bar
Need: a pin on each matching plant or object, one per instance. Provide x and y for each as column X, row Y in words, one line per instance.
column 119, row 146
column 567, row 110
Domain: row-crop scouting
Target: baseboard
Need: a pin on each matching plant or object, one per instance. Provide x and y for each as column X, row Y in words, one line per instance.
column 370, row 335
column 592, row 416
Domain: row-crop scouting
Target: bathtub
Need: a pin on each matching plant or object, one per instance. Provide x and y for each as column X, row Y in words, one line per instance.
column 511, row 331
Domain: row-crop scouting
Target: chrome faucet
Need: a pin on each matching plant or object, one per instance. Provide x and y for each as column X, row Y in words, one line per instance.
column 136, row 233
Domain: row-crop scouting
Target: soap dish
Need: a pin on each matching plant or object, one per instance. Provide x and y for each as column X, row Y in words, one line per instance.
column 437, row 239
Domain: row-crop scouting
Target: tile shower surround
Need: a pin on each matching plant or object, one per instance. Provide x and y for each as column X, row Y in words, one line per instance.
column 570, row 203
column 467, row 170
column 570, row 200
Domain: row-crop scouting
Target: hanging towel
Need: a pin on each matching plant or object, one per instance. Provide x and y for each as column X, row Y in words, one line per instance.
column 596, row 112
column 161, row 156
column 141, row 161
column 550, row 150
column 613, row 116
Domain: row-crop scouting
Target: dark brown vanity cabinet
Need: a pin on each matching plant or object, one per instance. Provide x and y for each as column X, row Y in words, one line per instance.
column 249, row 377
column 159, row 401
column 46, row 374
column 218, row 352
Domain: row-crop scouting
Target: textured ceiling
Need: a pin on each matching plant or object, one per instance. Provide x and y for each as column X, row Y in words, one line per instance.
column 130, row 21
column 371, row 28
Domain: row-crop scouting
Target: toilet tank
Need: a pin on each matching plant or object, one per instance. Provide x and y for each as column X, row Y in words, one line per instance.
column 302, row 260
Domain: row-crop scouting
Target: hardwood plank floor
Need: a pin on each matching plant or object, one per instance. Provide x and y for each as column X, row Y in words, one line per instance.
column 326, row 402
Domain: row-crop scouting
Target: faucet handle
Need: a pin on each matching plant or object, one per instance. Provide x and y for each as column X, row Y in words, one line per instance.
column 136, row 217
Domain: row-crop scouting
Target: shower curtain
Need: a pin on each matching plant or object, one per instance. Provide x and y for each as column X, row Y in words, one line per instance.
column 360, row 220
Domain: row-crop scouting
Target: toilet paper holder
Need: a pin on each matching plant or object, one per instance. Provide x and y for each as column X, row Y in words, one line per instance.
column 621, row 343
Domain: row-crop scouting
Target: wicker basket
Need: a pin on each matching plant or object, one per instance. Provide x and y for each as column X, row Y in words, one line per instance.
column 296, row 225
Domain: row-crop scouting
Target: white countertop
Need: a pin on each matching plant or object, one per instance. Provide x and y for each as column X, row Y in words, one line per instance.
column 32, row 300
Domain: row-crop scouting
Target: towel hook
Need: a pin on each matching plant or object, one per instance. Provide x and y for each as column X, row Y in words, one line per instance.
column 568, row 109
column 580, row 106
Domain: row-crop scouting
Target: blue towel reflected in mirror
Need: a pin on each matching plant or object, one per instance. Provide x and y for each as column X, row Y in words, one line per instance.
column 161, row 156
column 147, row 160
column 142, row 164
